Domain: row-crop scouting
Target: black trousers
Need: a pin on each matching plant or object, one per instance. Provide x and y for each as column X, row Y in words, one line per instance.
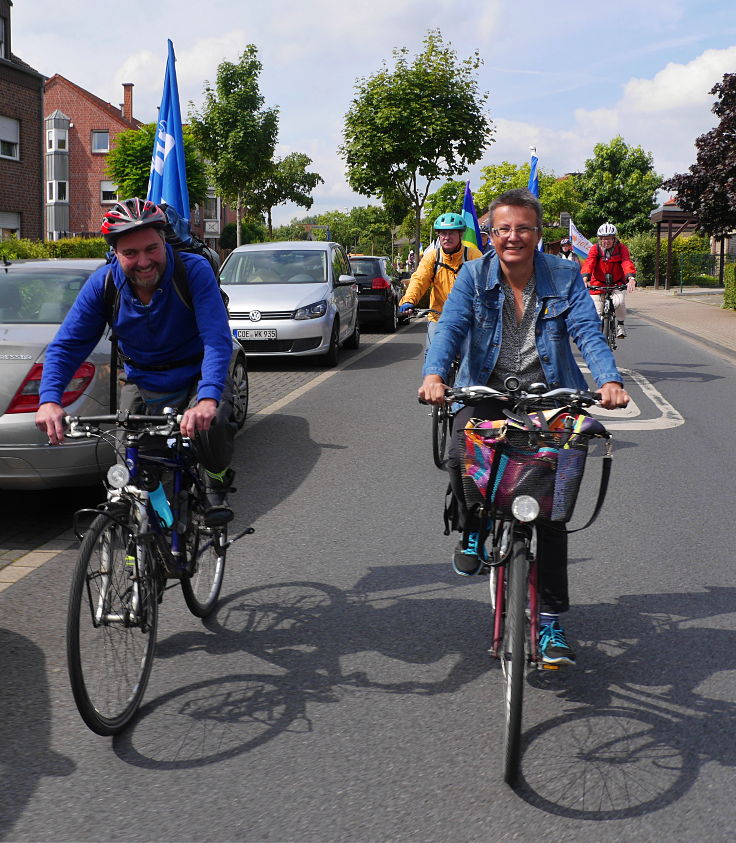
column 551, row 541
column 214, row 446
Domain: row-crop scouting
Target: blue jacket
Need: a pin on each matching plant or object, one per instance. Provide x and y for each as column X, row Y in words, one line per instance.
column 565, row 311
column 162, row 331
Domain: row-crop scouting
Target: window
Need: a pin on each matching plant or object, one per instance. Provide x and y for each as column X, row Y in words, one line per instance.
column 210, row 208
column 56, row 140
column 108, row 192
column 3, row 48
column 9, row 225
column 100, row 141
column 56, row 191
column 9, row 135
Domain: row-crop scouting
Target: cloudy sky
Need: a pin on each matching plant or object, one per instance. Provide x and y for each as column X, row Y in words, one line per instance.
column 560, row 76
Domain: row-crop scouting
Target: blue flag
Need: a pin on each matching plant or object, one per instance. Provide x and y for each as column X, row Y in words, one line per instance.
column 533, row 176
column 168, row 181
column 472, row 229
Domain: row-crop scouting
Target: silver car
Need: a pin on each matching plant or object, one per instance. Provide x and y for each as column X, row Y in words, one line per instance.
column 293, row 297
column 35, row 296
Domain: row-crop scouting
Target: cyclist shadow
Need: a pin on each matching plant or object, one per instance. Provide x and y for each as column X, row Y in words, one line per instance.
column 25, row 727
column 650, row 707
column 302, row 632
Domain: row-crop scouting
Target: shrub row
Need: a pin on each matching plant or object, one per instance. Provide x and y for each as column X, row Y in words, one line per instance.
column 729, row 280
column 73, row 247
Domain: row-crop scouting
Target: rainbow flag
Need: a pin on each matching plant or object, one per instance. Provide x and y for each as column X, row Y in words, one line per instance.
column 471, row 236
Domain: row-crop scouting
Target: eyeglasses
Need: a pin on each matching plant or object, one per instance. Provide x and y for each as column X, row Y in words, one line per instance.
column 522, row 230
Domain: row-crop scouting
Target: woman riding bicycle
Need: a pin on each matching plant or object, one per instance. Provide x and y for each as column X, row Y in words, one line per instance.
column 439, row 268
column 610, row 257
column 518, row 310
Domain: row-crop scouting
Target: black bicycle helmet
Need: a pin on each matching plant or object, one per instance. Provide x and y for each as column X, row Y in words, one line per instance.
column 131, row 215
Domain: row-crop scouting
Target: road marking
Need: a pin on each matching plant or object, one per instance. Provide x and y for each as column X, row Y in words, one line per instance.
column 668, row 415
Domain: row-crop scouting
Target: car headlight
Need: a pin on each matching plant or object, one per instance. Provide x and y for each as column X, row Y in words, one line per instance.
column 525, row 508
column 311, row 311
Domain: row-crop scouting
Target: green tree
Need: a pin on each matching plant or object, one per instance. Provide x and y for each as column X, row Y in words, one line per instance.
column 251, row 231
column 618, row 185
column 234, row 131
column 413, row 124
column 449, row 197
column 286, row 180
column 708, row 189
column 129, row 163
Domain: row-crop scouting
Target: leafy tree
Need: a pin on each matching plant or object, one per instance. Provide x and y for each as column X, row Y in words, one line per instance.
column 366, row 230
column 708, row 189
column 129, row 163
column 419, row 122
column 559, row 195
column 251, row 231
column 618, row 185
column 286, row 180
column 234, row 131
column 449, row 197
column 295, row 230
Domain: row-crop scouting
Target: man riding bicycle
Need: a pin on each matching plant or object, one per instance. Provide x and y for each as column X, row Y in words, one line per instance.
column 173, row 354
column 439, row 268
column 610, row 257
column 513, row 313
column 566, row 251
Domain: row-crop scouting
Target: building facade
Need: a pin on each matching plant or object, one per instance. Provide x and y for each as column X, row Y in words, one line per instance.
column 21, row 146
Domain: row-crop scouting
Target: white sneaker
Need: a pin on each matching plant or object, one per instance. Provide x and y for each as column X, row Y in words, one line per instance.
column 620, row 331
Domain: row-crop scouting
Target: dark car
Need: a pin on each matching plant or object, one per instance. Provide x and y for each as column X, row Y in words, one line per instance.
column 379, row 290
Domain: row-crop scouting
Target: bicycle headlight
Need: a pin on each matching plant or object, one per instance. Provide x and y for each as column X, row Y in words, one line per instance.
column 118, row 476
column 525, row 508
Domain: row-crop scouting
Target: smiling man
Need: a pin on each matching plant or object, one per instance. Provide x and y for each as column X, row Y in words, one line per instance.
column 174, row 353
column 514, row 313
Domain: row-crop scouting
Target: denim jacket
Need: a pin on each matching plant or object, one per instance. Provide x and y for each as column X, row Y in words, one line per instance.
column 472, row 320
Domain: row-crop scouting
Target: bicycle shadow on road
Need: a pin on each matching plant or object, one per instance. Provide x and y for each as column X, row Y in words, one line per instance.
column 298, row 636
column 25, row 727
column 652, row 697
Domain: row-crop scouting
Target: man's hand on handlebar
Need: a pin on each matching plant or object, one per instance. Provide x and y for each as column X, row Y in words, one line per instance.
column 198, row 417
column 432, row 390
column 613, row 395
column 50, row 421
column 630, row 284
column 408, row 307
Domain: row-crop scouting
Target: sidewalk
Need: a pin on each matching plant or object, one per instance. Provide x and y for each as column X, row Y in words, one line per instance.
column 697, row 314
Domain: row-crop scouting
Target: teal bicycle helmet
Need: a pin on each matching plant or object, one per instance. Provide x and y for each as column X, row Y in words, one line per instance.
column 449, row 222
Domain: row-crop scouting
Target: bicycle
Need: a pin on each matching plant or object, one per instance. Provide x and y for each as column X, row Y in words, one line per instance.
column 527, row 468
column 608, row 317
column 442, row 415
column 135, row 543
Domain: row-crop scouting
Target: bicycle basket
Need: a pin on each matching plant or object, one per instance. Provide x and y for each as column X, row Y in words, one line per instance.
column 503, row 461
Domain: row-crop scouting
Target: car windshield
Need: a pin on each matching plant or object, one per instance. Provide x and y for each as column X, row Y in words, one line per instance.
column 365, row 267
column 33, row 295
column 279, row 266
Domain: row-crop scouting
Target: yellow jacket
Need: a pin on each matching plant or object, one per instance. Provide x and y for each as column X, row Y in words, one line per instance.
column 441, row 282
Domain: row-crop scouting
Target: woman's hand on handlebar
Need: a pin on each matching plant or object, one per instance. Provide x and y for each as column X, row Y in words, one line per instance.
column 613, row 395
column 432, row 390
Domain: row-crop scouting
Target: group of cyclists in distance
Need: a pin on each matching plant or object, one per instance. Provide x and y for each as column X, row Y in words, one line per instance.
column 506, row 309
column 512, row 311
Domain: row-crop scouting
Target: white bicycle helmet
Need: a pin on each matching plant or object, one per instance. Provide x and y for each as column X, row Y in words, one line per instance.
column 608, row 229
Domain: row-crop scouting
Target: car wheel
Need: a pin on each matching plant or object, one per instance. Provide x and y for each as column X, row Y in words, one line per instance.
column 330, row 357
column 353, row 341
column 391, row 321
column 239, row 374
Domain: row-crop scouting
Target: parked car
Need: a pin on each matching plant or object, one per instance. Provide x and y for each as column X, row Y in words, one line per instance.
column 35, row 296
column 379, row 290
column 293, row 297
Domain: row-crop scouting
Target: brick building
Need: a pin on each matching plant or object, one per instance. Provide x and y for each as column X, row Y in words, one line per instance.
column 21, row 148
column 80, row 128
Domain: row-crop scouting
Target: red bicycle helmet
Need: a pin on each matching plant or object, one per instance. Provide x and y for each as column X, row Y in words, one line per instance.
column 130, row 215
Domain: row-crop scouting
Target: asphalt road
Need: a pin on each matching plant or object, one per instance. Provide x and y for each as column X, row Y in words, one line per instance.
column 342, row 690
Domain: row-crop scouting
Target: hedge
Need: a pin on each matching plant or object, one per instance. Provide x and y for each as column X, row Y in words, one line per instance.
column 73, row 247
column 729, row 281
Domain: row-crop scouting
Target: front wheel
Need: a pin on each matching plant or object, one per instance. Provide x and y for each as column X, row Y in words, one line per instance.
column 330, row 357
column 440, row 427
column 513, row 656
column 111, row 626
column 206, row 551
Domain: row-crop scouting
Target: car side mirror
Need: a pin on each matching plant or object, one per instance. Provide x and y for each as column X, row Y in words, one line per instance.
column 345, row 280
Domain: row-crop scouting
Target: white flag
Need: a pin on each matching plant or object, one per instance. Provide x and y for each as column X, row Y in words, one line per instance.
column 581, row 246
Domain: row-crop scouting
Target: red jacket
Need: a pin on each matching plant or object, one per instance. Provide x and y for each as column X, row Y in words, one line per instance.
column 619, row 264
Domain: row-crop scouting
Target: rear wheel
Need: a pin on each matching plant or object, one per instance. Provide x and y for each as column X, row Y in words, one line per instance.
column 391, row 321
column 513, row 657
column 111, row 626
column 353, row 341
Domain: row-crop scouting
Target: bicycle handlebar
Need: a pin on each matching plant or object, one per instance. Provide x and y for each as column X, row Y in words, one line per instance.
column 79, row 427
column 474, row 394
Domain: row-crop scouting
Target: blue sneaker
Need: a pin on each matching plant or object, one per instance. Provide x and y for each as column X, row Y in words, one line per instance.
column 467, row 561
column 553, row 646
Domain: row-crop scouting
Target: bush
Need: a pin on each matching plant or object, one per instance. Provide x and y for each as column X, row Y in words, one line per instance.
column 251, row 231
column 73, row 247
column 691, row 259
column 729, row 281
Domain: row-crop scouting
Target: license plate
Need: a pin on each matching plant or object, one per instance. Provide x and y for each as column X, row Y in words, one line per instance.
column 254, row 333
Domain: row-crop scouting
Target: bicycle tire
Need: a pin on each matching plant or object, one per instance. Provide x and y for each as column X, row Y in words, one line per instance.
column 201, row 588
column 440, row 424
column 609, row 327
column 514, row 656
column 109, row 659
